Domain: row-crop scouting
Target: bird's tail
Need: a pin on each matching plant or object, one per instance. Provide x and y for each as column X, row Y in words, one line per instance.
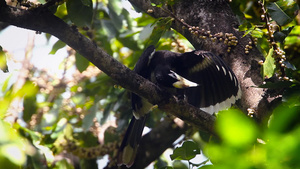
column 128, row 148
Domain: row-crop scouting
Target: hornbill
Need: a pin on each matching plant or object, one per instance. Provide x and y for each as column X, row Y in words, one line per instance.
column 199, row 77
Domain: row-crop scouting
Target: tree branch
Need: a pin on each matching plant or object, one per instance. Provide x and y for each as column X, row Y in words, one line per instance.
column 42, row 20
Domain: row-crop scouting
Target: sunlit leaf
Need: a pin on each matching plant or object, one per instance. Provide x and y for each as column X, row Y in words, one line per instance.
column 14, row 153
column 13, row 148
column 3, row 65
column 245, row 26
column 293, row 39
column 254, row 32
column 78, row 99
column 68, row 131
column 5, row 84
column 269, row 65
column 4, row 106
column 61, row 11
column 236, row 129
column 29, row 89
column 157, row 5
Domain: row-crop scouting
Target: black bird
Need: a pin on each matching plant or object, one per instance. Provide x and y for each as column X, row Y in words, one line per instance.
column 203, row 79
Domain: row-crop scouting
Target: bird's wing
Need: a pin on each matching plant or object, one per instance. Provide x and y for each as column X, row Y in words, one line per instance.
column 218, row 87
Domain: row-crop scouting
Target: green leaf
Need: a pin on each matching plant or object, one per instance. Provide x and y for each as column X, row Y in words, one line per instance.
column 146, row 32
column 179, row 165
column 13, row 147
column 61, row 11
column 254, row 32
column 87, row 122
column 116, row 6
column 108, row 29
column 285, row 118
column 5, row 84
column 269, row 65
column 280, row 36
column 81, row 62
column 29, row 89
column 157, row 5
column 30, row 107
column 187, row 151
column 235, row 128
column 80, row 12
column 116, row 20
column 161, row 27
column 282, row 12
column 63, row 164
column 58, row 45
column 111, row 136
column 3, row 65
column 34, row 136
column 68, row 131
column 106, row 113
column 78, row 99
column 88, row 139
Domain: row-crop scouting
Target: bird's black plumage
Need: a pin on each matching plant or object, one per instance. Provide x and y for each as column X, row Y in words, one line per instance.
column 203, row 79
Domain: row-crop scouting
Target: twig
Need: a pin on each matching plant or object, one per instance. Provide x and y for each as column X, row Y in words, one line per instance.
column 279, row 54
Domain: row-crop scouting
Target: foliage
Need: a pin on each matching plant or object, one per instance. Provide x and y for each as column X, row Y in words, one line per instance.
column 44, row 117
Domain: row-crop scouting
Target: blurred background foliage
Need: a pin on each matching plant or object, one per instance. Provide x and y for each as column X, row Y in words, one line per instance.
column 71, row 122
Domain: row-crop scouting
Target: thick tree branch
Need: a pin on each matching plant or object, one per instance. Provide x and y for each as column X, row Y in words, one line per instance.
column 40, row 19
